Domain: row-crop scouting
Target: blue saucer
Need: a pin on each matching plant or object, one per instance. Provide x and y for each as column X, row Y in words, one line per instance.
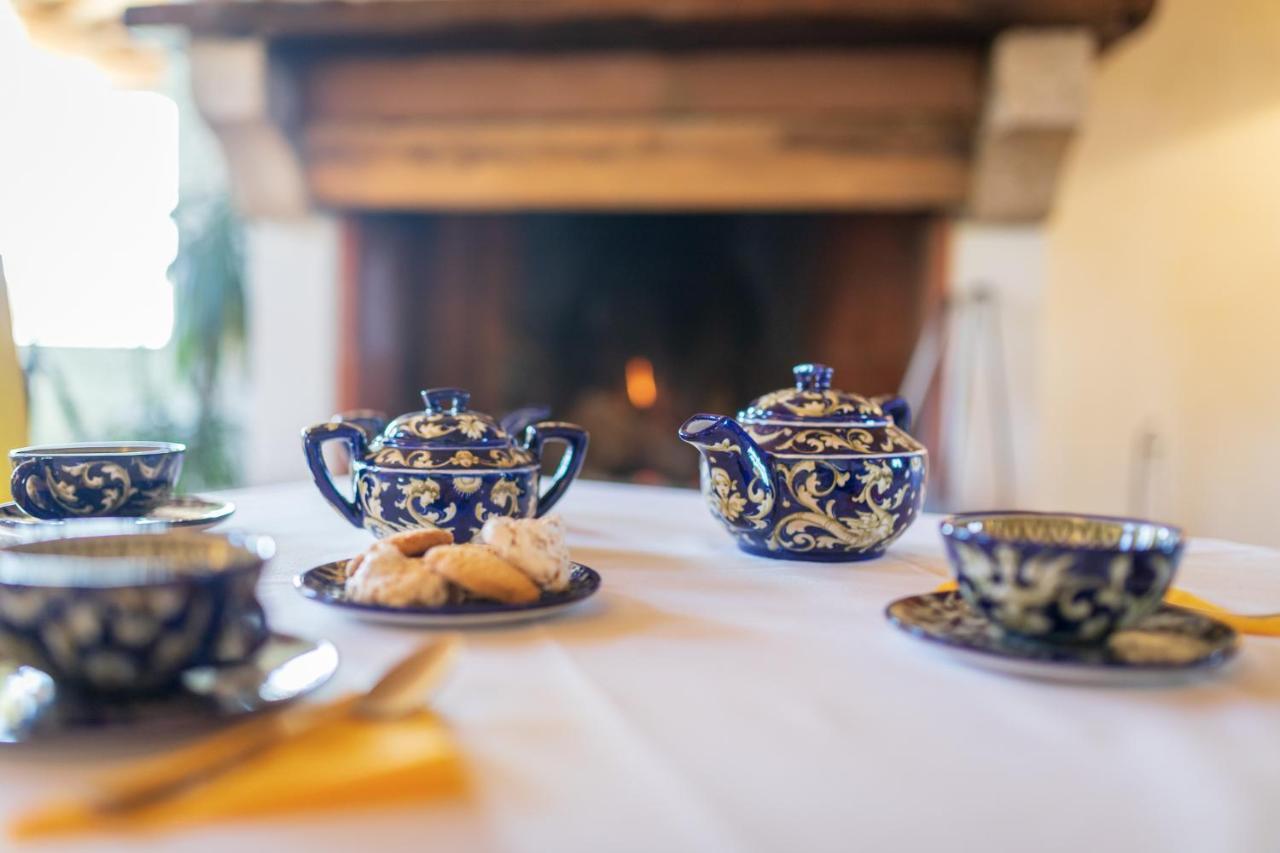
column 191, row 511
column 1171, row 645
column 327, row 585
column 284, row 668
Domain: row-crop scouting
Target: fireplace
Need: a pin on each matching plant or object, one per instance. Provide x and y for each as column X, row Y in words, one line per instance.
column 627, row 323
column 633, row 210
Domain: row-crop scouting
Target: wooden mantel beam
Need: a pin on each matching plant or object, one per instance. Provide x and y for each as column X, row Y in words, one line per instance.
column 851, row 105
column 637, row 130
column 648, row 20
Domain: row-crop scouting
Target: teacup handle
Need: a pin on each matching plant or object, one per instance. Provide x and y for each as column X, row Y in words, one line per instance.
column 30, row 493
column 313, row 441
column 575, row 438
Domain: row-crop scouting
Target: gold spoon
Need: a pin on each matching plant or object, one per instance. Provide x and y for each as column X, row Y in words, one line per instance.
column 400, row 692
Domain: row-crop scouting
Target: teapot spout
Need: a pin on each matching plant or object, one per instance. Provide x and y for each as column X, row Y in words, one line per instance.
column 735, row 478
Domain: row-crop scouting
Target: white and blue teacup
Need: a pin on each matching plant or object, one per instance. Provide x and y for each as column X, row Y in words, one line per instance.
column 129, row 612
column 56, row 481
column 1061, row 577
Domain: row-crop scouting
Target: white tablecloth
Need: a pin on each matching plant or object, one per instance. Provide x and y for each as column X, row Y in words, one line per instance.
column 707, row 700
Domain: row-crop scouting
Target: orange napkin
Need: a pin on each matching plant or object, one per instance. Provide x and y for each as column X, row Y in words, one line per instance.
column 1263, row 626
column 342, row 762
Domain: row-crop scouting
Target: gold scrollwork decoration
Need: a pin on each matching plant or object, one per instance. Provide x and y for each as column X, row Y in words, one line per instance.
column 504, row 494
column 818, row 440
column 820, row 524
column 1021, row 588
column 110, row 480
column 495, row 458
column 816, row 404
column 733, row 507
column 434, row 426
column 418, row 496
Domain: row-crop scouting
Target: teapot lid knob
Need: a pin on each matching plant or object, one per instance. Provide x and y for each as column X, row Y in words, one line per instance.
column 812, row 377
column 447, row 400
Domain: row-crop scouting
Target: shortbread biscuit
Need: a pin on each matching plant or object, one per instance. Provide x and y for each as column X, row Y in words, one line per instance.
column 415, row 543
column 482, row 573
column 535, row 546
column 411, row 543
column 351, row 565
column 386, row 576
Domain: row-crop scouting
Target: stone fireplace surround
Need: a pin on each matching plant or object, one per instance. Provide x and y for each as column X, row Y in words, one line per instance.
column 802, row 160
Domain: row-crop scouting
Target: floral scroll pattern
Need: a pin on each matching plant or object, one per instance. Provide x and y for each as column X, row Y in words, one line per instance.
column 98, row 487
column 1079, row 532
column 815, row 507
column 815, row 404
column 730, row 505
column 399, row 457
column 855, row 509
column 820, row 440
column 460, row 504
column 431, row 426
column 1051, row 593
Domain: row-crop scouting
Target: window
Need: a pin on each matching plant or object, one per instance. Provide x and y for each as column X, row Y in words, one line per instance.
column 88, row 178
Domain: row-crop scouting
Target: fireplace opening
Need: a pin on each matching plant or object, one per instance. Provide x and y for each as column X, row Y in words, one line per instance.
column 627, row 323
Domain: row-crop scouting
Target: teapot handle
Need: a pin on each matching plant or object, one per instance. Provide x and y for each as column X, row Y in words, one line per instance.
column 575, row 439
column 898, row 409
column 313, row 441
column 515, row 422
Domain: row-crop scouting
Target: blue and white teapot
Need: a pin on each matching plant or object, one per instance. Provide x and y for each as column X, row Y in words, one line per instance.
column 446, row 466
column 808, row 473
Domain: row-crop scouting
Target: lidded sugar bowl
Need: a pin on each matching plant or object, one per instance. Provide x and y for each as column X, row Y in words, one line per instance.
column 811, row 473
column 446, row 466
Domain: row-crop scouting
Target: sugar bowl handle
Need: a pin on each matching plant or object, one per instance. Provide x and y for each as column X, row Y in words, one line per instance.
column 575, row 438
column 313, row 441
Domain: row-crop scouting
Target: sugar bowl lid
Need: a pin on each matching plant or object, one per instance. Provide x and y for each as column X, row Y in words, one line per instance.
column 446, row 422
column 813, row 400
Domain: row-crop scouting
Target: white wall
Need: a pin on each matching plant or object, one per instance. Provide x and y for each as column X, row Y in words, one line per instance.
column 292, row 282
column 991, row 369
column 1162, row 306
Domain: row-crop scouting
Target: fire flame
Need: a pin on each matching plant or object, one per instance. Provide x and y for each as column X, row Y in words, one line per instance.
column 642, row 389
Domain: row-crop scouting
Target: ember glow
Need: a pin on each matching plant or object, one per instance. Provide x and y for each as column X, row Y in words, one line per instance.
column 642, row 389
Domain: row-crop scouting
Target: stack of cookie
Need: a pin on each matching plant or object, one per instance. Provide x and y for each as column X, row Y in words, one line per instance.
column 512, row 562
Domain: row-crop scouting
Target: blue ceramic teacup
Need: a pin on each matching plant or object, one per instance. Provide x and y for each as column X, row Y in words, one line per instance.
column 1061, row 577
column 129, row 612
column 89, row 480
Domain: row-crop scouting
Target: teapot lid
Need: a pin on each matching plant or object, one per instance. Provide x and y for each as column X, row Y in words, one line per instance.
column 446, row 422
column 812, row 399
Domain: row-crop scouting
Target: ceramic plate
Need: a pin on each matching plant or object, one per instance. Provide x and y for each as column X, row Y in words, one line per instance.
column 179, row 511
column 1169, row 646
column 327, row 584
column 33, row 706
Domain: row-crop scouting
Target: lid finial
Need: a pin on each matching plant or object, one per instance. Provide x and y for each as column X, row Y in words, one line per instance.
column 812, row 377
column 448, row 400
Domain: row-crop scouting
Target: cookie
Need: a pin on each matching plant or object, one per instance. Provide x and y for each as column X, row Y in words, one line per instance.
column 535, row 546
column 411, row 543
column 351, row 565
column 386, row 576
column 415, row 543
column 482, row 573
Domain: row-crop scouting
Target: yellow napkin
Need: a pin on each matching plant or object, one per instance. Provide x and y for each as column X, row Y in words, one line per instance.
column 1262, row 626
column 342, row 762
